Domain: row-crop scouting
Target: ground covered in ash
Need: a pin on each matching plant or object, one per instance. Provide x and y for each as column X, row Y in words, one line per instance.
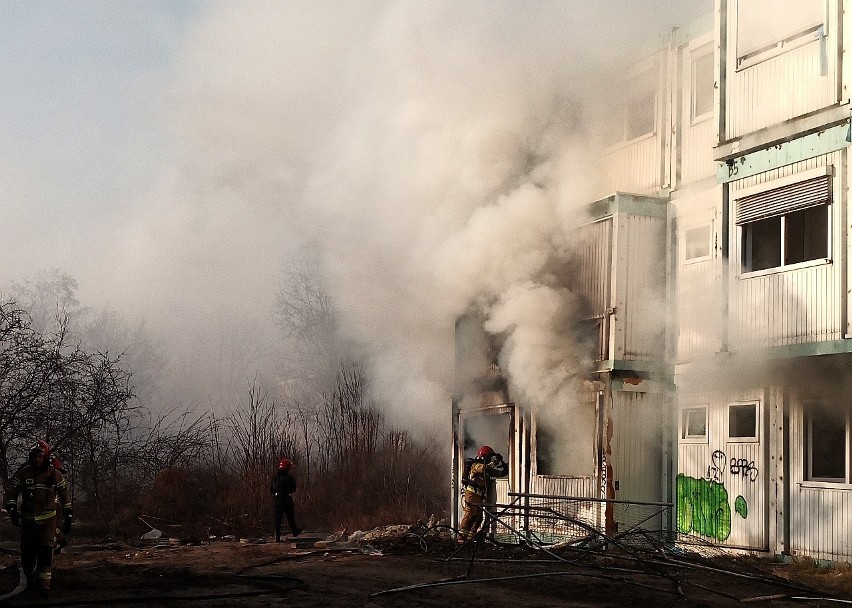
column 373, row 570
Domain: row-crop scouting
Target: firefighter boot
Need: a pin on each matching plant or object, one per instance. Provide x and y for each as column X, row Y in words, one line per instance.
column 44, row 584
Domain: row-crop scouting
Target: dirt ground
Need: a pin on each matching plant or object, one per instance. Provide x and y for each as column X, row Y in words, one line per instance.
column 263, row 574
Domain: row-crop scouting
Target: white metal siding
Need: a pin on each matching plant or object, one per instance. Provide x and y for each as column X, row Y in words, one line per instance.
column 697, row 151
column 564, row 486
column 637, row 445
column 697, row 460
column 782, row 87
column 789, row 306
column 594, row 260
column 698, row 283
column 635, row 167
column 820, row 517
column 641, row 278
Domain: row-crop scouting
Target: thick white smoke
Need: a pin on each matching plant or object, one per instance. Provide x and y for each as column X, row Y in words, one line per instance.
column 434, row 150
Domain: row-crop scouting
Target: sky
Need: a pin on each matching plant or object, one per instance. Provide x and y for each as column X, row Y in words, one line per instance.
column 169, row 155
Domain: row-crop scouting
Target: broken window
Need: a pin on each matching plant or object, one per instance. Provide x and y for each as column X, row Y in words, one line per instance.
column 742, row 421
column 697, row 243
column 693, row 423
column 767, row 27
column 826, row 437
column 703, row 82
column 785, row 225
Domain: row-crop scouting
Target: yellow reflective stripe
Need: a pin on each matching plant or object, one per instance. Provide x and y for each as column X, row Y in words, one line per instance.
column 43, row 516
column 62, row 484
column 41, row 486
column 67, row 505
column 44, row 575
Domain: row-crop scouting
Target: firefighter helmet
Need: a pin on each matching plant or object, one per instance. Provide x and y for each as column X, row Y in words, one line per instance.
column 40, row 447
column 485, row 451
column 284, row 464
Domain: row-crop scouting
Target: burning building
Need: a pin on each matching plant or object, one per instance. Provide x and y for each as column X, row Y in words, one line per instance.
column 713, row 299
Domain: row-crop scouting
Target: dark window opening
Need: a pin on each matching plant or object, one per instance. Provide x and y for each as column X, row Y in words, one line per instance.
column 826, row 436
column 762, row 244
column 742, row 421
column 806, row 234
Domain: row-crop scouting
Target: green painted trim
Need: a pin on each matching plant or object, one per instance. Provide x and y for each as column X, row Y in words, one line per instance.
column 628, row 204
column 830, row 140
column 810, row 349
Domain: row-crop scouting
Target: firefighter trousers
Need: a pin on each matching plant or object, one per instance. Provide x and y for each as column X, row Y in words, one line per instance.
column 285, row 507
column 472, row 518
column 37, row 540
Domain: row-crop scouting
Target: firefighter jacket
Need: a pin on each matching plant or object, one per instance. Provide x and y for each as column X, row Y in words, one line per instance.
column 40, row 490
column 283, row 484
column 478, row 472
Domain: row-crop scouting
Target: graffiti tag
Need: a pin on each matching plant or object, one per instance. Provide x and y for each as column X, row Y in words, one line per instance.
column 744, row 467
column 716, row 466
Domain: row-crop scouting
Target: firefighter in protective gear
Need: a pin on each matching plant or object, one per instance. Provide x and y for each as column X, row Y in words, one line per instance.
column 282, row 486
column 41, row 488
column 478, row 473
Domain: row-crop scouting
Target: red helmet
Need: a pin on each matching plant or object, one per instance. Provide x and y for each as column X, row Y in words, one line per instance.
column 40, row 447
column 485, row 451
column 284, row 464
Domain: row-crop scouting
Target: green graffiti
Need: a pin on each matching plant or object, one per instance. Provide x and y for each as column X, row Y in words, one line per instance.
column 741, row 506
column 702, row 507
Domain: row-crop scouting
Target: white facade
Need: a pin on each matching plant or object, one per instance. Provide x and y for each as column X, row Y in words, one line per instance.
column 733, row 141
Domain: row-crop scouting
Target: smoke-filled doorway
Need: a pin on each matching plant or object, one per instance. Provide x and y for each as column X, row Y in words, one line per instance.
column 495, row 426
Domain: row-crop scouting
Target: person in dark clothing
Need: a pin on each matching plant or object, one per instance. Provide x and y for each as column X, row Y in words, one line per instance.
column 283, row 485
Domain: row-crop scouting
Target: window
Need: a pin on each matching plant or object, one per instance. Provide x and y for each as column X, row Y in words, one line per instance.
column 785, row 225
column 826, row 431
column 697, row 242
column 693, row 423
column 703, row 82
column 767, row 27
column 632, row 112
column 743, row 422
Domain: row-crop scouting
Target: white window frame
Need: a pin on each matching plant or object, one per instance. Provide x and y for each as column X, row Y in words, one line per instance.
column 806, row 36
column 694, row 55
column 808, row 441
column 651, row 65
column 684, row 437
column 702, row 258
column 753, row 439
column 779, row 183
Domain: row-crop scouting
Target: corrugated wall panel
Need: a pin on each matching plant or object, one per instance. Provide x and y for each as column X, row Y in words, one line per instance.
column 697, row 151
column 637, row 445
column 699, row 313
column 739, row 467
column 644, row 278
column 791, row 306
column 564, row 486
column 820, row 525
column 636, row 167
column 788, row 85
column 594, row 256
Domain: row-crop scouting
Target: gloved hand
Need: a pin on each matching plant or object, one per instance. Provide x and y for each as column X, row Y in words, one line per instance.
column 67, row 519
column 13, row 515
